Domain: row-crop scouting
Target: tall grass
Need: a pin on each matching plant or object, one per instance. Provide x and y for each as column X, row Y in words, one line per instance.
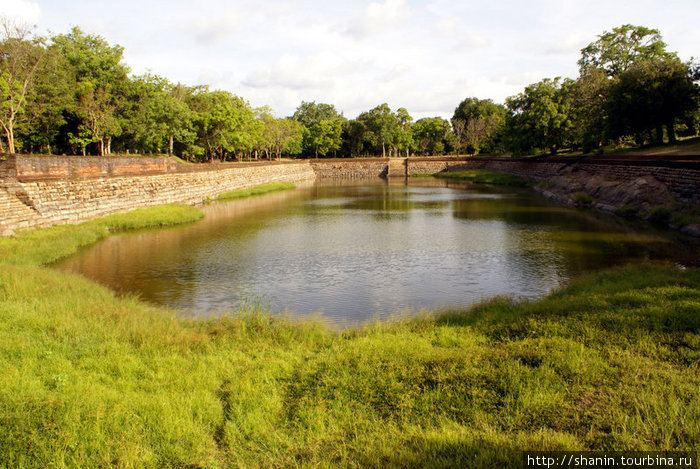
column 92, row 379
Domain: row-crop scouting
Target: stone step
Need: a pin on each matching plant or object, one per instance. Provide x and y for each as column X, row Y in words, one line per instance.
column 397, row 167
column 14, row 214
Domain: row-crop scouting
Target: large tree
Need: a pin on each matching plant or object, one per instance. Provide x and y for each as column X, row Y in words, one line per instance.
column 381, row 127
column 323, row 127
column 433, row 136
column 649, row 95
column 541, row 116
column 101, row 80
column 476, row 122
column 617, row 50
column 20, row 57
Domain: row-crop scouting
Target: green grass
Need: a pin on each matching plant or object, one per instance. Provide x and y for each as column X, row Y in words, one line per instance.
column 92, row 379
column 89, row 378
column 481, row 176
column 256, row 190
column 46, row 245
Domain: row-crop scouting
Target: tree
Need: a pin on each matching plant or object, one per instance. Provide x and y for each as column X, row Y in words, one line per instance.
column 222, row 123
column 476, row 122
column 158, row 115
column 432, row 135
column 649, row 95
column 589, row 95
column 323, row 127
column 381, row 127
column 20, row 56
column 101, row 85
column 404, row 136
column 541, row 116
column 615, row 51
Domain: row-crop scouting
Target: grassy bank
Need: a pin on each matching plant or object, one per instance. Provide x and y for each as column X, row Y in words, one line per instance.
column 256, row 190
column 92, row 379
column 43, row 246
column 480, row 176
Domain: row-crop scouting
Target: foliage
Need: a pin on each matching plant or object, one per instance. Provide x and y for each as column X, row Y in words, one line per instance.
column 323, row 127
column 582, row 199
column 616, row 51
column 256, row 190
column 660, row 216
column 628, row 211
column 20, row 59
column 541, row 117
column 648, row 95
column 477, row 123
column 72, row 93
column 433, row 136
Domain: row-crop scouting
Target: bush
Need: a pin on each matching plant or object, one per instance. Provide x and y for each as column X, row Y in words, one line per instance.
column 628, row 211
column 582, row 200
column 660, row 216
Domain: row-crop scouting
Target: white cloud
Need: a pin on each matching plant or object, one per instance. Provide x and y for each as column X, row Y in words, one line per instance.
column 378, row 16
column 217, row 26
column 20, row 10
column 425, row 55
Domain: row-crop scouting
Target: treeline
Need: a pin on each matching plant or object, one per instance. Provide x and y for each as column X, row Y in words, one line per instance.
column 73, row 94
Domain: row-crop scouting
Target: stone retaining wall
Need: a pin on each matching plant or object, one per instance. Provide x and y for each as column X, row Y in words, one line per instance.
column 350, row 168
column 34, row 195
column 42, row 191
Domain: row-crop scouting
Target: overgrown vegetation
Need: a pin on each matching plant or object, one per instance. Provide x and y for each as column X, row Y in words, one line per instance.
column 256, row 190
column 481, row 176
column 92, row 379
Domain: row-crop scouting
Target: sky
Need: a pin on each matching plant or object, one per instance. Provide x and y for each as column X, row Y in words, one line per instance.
column 424, row 55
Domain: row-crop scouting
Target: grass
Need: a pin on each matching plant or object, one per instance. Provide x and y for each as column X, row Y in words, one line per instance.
column 89, row 378
column 481, row 176
column 256, row 190
column 46, row 245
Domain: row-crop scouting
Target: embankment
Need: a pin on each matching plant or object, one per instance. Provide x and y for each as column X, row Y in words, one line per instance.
column 50, row 190
column 43, row 191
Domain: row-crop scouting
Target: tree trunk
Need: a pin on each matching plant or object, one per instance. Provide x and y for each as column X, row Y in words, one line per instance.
column 659, row 134
column 10, row 140
column 109, row 146
column 383, row 150
column 671, row 131
column 170, row 145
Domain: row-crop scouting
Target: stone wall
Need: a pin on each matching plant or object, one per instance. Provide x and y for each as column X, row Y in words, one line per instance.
column 681, row 178
column 42, row 191
column 350, row 168
column 82, row 189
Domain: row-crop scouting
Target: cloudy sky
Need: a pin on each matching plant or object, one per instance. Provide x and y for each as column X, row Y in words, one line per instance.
column 424, row 55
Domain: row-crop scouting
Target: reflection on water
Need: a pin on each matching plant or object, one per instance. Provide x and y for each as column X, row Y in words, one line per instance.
column 356, row 250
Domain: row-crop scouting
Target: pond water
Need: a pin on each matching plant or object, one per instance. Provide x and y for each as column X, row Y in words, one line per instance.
column 356, row 250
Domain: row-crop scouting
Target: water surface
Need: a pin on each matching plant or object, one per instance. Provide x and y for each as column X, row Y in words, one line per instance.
column 359, row 250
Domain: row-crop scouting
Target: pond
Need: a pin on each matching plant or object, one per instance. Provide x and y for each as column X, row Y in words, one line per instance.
column 358, row 250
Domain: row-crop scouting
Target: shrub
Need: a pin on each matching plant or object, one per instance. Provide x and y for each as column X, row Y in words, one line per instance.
column 660, row 216
column 582, row 200
column 628, row 211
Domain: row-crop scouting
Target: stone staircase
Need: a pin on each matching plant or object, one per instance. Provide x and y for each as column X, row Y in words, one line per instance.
column 15, row 214
column 397, row 167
